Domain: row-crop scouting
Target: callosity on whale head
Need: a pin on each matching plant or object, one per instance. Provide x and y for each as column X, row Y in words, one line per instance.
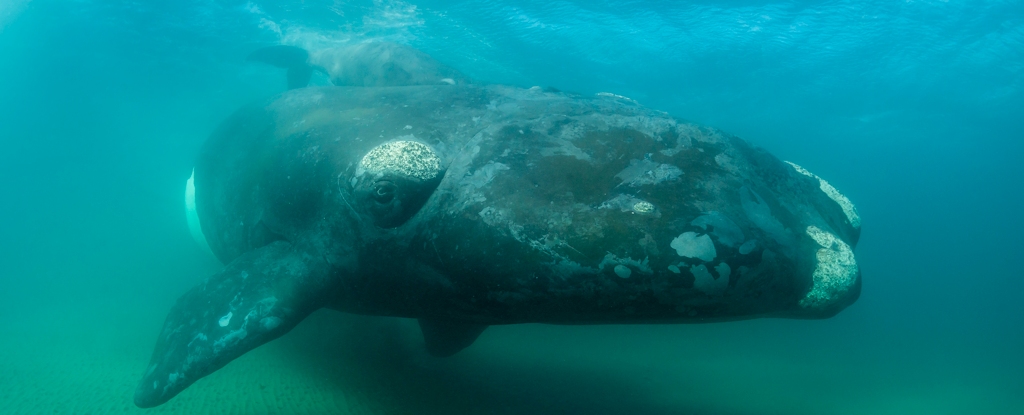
column 466, row 206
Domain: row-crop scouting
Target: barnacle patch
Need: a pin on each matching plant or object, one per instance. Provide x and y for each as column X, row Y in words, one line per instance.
column 630, row 204
column 406, row 158
column 835, row 273
column 643, row 207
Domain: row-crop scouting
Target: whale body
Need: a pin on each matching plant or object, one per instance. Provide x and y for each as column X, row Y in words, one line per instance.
column 466, row 206
column 371, row 64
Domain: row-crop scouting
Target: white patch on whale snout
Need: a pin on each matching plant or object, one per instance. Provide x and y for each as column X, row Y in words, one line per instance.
column 835, row 273
column 404, row 157
column 848, row 208
column 191, row 215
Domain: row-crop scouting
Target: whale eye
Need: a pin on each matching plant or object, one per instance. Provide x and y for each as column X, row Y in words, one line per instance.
column 395, row 179
column 384, row 192
column 393, row 200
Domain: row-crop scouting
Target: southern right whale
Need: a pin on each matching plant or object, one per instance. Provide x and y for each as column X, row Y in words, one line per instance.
column 471, row 205
column 370, row 63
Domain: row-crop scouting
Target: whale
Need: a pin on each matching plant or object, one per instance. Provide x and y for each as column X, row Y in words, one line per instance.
column 371, row 63
column 465, row 206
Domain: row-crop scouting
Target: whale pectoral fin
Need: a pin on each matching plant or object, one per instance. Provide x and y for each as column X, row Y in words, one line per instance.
column 445, row 338
column 258, row 297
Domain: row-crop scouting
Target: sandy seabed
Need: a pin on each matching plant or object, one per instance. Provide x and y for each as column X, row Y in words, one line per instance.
column 68, row 363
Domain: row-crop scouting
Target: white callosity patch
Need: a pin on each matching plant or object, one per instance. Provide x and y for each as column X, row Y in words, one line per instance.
column 848, row 208
column 690, row 245
column 642, row 172
column 627, row 203
column 191, row 215
column 643, row 207
column 835, row 273
column 405, row 158
column 224, row 321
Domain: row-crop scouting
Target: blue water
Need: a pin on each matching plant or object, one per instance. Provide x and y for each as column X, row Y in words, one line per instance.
column 914, row 109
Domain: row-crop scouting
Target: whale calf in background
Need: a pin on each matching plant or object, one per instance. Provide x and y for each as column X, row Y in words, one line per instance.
column 465, row 205
column 373, row 63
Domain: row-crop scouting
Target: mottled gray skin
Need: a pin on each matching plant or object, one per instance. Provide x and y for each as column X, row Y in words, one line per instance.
column 537, row 218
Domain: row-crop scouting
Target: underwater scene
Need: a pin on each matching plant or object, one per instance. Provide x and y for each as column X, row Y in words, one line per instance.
column 731, row 207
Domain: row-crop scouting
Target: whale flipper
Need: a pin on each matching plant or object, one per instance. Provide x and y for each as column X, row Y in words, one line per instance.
column 258, row 297
column 293, row 58
column 445, row 338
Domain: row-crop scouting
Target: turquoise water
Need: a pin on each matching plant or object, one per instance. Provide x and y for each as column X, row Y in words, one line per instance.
column 915, row 110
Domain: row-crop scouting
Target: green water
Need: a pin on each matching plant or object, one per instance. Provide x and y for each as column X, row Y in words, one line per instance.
column 913, row 110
